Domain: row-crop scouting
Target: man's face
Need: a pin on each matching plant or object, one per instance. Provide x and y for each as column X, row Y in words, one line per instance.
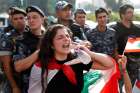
column 80, row 19
column 128, row 14
column 18, row 21
column 102, row 19
column 64, row 14
column 34, row 20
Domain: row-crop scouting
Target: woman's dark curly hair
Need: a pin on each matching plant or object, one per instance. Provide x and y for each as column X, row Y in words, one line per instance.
column 46, row 52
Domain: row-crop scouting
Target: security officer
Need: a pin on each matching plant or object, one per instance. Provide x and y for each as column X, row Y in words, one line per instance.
column 7, row 47
column 11, row 11
column 80, row 18
column 24, row 56
column 64, row 16
column 102, row 37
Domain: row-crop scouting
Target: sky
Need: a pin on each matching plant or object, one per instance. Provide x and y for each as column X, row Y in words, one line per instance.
column 135, row 2
column 98, row 2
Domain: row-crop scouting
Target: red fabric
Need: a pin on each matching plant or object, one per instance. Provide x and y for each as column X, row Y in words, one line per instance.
column 67, row 70
column 112, row 85
column 138, row 84
column 38, row 64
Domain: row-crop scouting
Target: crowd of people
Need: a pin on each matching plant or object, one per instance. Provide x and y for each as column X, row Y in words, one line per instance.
column 38, row 57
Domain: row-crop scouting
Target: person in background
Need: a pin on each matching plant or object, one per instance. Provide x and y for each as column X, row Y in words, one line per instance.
column 56, row 57
column 28, row 45
column 102, row 38
column 64, row 13
column 125, row 29
column 8, row 41
column 64, row 16
column 80, row 18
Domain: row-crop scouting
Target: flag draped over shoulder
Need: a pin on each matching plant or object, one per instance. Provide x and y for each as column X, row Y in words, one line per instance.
column 102, row 81
column 133, row 45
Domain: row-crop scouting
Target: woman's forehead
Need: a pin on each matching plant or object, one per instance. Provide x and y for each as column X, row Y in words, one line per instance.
column 62, row 31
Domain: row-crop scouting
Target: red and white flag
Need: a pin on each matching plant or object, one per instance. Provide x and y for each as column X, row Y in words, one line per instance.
column 107, row 82
column 136, row 88
column 133, row 45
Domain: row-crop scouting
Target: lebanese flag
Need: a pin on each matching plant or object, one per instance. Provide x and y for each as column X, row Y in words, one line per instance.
column 102, row 81
column 136, row 88
column 133, row 45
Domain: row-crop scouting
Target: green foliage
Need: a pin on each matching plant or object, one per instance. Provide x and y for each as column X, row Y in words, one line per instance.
column 114, row 16
column 137, row 17
column 91, row 16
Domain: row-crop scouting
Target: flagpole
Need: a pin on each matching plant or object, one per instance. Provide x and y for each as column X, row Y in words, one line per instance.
column 124, row 48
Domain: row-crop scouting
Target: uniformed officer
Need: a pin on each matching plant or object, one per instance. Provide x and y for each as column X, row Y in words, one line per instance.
column 7, row 46
column 24, row 57
column 64, row 16
column 80, row 18
column 12, row 11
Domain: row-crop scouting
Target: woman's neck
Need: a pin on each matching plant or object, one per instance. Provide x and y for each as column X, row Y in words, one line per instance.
column 60, row 57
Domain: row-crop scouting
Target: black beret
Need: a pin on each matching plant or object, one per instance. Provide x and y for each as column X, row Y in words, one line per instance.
column 35, row 9
column 16, row 10
column 80, row 11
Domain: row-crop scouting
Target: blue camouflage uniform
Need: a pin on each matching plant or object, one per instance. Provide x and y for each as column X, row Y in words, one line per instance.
column 102, row 42
column 8, row 43
column 25, row 47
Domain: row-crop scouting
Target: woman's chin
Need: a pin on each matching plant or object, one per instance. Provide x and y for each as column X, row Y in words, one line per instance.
column 67, row 51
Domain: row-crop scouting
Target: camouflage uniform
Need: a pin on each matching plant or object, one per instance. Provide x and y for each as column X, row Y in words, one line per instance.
column 25, row 48
column 8, row 43
column 102, row 42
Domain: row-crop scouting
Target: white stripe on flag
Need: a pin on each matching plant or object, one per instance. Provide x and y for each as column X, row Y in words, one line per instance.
column 135, row 88
column 98, row 86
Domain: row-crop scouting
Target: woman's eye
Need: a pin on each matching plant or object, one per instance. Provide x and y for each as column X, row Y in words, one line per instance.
column 59, row 37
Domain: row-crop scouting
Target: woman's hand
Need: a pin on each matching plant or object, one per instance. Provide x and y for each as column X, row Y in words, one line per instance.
column 83, row 46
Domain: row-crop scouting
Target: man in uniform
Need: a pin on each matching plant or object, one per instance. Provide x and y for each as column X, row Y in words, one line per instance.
column 7, row 46
column 64, row 16
column 102, row 37
column 80, row 18
column 24, row 57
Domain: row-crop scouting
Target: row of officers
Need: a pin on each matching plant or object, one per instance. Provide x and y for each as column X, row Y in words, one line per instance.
column 21, row 40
